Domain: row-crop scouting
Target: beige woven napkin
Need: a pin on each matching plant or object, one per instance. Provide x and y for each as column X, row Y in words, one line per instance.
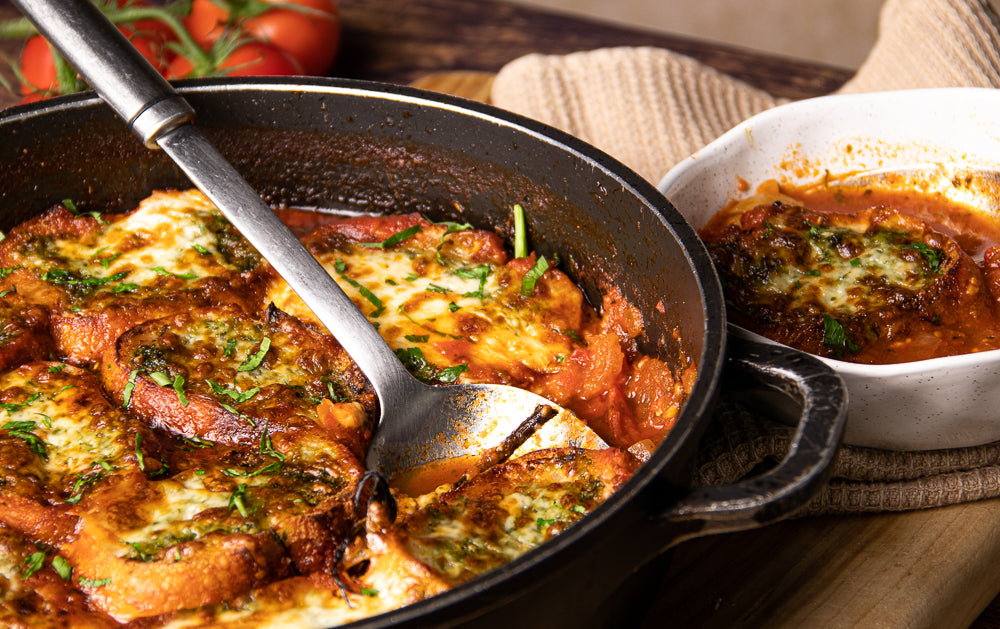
column 651, row 108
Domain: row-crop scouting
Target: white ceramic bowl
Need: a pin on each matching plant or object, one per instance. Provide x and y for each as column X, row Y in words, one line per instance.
column 939, row 135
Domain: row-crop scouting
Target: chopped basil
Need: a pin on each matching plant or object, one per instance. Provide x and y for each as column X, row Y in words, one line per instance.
column 933, row 256
column 452, row 307
column 5, row 271
column 227, row 349
column 395, row 239
column 451, row 229
column 236, row 395
column 139, row 456
column 161, row 378
column 22, row 430
column 341, row 267
column 179, row 389
column 533, row 275
column 544, row 523
column 56, row 368
column 106, row 262
column 159, row 270
column 12, row 289
column 813, row 272
column 129, row 388
column 417, row 338
column 253, row 361
column 520, row 233
column 62, row 568
column 835, row 336
column 81, row 484
column 33, row 563
column 125, row 287
column 236, row 501
column 480, row 273
column 94, row 583
column 434, row 288
column 413, row 359
column 63, row 277
column 856, row 262
column 369, row 592
column 411, row 277
column 12, row 408
column 200, row 249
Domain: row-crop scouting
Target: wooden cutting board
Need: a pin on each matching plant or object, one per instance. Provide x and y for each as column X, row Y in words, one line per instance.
column 934, row 569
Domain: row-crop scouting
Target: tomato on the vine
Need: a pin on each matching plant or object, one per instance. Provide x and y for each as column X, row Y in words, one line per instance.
column 248, row 59
column 38, row 70
column 40, row 74
column 308, row 30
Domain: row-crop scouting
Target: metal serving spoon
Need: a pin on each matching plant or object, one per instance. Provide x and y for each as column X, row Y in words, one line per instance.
column 419, row 423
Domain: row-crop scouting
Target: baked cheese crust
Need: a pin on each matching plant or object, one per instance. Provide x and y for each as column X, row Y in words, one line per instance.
column 871, row 286
column 183, row 442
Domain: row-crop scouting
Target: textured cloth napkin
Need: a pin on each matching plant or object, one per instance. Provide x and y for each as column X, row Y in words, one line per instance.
column 651, row 108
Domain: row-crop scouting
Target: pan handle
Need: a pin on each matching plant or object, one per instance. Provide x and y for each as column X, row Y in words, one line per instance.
column 822, row 394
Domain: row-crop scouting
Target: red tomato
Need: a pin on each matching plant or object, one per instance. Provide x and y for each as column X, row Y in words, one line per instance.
column 312, row 37
column 205, row 22
column 38, row 72
column 250, row 59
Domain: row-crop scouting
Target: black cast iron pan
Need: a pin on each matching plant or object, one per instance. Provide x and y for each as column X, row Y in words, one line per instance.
column 360, row 146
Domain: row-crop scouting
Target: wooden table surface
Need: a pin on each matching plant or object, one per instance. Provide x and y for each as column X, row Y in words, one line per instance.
column 936, row 568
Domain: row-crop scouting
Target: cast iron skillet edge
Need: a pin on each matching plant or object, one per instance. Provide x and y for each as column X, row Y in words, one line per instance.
column 652, row 511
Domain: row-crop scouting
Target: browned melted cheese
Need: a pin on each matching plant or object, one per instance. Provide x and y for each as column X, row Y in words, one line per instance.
column 866, row 284
column 181, row 441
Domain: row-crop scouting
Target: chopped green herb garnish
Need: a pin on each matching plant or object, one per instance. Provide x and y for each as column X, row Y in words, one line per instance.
column 236, row 395
column 856, row 262
column 533, row 275
column 395, row 239
column 413, row 359
column 369, row 592
column 417, row 338
column 55, row 368
column 253, row 361
column 161, row 378
column 94, row 583
column 139, row 456
column 480, row 273
column 179, row 389
column 129, row 388
column 520, row 233
column 200, row 249
column 236, row 501
column 5, row 271
column 62, row 568
column 227, row 349
column 412, row 277
column 835, row 336
column 12, row 289
column 543, row 523
column 452, row 307
column 125, row 287
column 451, row 229
column 23, row 430
column 68, row 278
column 813, row 272
column 933, row 256
column 340, row 266
column 159, row 270
column 33, row 563
column 434, row 288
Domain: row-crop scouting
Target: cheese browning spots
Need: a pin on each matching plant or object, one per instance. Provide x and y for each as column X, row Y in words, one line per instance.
column 183, row 443
column 865, row 284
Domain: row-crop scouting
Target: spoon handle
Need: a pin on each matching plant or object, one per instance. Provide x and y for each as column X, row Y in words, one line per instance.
column 161, row 118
